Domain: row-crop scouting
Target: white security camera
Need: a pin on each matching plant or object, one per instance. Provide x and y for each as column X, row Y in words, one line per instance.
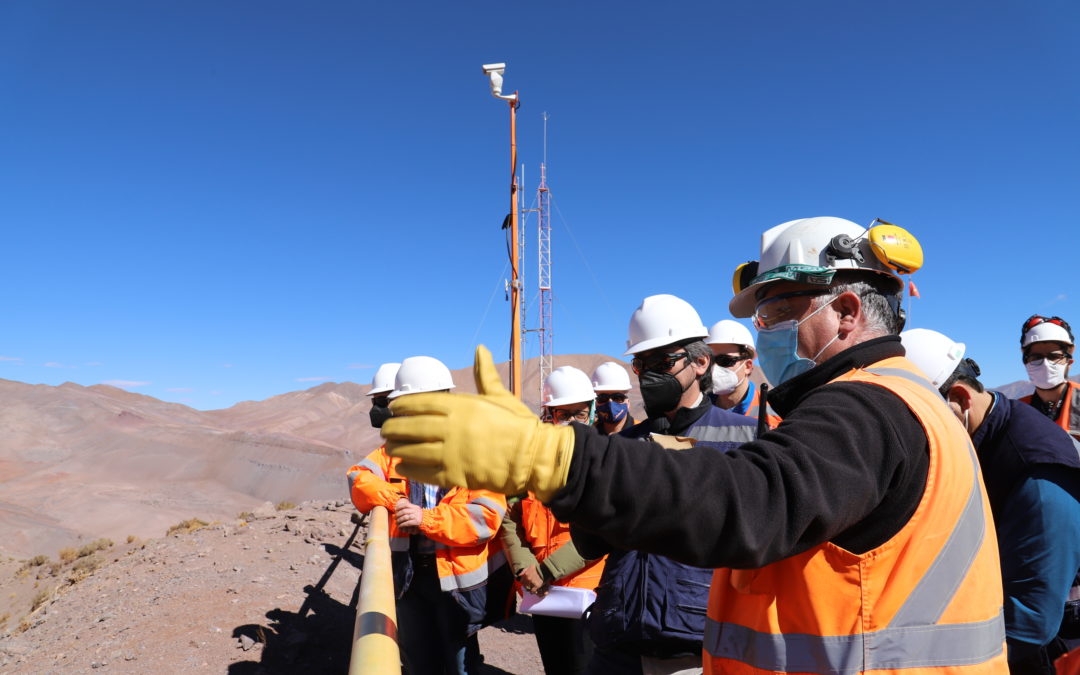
column 495, row 71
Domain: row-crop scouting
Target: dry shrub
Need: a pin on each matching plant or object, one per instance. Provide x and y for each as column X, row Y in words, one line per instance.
column 131, row 538
column 54, row 568
column 94, row 547
column 4, row 618
column 40, row 599
column 186, row 526
column 37, row 560
column 83, row 568
column 245, row 515
column 284, row 506
column 68, row 554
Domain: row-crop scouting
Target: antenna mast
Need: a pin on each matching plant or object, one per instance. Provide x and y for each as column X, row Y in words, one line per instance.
column 543, row 203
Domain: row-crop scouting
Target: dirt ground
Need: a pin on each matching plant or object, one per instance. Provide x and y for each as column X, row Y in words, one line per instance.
column 224, row 598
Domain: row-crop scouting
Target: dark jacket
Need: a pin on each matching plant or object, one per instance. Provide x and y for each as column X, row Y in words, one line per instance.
column 1032, row 474
column 649, row 604
column 848, row 465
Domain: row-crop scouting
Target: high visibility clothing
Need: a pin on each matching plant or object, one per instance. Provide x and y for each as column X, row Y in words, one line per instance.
column 1068, row 418
column 462, row 525
column 751, row 407
column 544, row 535
column 928, row 600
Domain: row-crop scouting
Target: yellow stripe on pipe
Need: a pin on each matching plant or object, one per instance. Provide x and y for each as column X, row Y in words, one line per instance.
column 375, row 648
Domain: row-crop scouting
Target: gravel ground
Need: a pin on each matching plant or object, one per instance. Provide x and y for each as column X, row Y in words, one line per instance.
column 221, row 599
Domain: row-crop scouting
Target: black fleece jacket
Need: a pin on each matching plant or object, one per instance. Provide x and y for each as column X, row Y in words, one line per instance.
column 848, row 464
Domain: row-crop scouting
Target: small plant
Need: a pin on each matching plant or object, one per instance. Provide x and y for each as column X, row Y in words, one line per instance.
column 55, row 567
column 131, row 539
column 37, row 561
column 284, row 506
column 4, row 618
column 94, row 547
column 83, row 568
column 68, row 554
column 40, row 599
column 245, row 515
column 186, row 526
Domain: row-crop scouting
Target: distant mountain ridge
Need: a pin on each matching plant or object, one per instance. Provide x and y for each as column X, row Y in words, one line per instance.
column 88, row 461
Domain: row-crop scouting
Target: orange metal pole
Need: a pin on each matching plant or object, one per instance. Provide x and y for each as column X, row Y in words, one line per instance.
column 515, row 284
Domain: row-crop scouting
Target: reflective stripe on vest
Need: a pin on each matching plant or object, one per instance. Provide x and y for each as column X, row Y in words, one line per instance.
column 1074, row 410
column 912, row 639
column 455, row 582
column 477, row 510
column 708, row 433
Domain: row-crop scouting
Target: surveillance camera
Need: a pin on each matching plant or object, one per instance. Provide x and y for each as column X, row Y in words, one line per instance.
column 494, row 68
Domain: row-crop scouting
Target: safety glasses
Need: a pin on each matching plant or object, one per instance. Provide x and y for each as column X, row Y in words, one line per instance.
column 562, row 415
column 660, row 363
column 604, row 398
column 782, row 307
column 1052, row 357
column 727, row 360
column 380, row 401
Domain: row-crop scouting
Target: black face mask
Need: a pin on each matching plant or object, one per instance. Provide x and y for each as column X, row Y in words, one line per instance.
column 660, row 392
column 379, row 414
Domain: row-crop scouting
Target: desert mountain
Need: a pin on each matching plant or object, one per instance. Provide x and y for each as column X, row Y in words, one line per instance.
column 78, row 463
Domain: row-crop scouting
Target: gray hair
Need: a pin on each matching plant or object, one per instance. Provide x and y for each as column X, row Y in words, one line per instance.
column 696, row 350
column 881, row 317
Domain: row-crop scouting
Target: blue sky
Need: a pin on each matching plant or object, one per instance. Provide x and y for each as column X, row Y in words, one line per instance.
column 213, row 202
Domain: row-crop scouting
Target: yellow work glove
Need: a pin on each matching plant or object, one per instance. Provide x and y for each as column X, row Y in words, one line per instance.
column 487, row 441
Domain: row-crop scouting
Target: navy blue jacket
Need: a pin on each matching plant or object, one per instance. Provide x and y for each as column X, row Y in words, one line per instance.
column 1031, row 469
column 648, row 604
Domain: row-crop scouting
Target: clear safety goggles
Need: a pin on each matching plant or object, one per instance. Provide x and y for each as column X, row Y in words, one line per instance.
column 783, row 307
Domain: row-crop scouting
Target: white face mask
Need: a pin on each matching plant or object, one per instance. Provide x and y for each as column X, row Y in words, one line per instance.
column 724, row 381
column 1046, row 375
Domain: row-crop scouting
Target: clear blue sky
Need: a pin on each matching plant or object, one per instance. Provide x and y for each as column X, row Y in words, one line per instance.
column 219, row 201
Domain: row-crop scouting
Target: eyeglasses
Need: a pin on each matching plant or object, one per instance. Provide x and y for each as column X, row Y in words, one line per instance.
column 657, row 364
column 771, row 311
column 604, row 398
column 380, row 401
column 1052, row 357
column 727, row 360
column 1036, row 319
column 563, row 415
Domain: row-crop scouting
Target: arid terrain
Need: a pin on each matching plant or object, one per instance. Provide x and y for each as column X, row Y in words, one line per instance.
column 92, row 479
column 138, row 535
column 222, row 597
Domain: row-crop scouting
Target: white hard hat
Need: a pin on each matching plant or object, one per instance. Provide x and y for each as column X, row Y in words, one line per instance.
column 384, row 379
column 935, row 354
column 1046, row 331
column 810, row 250
column 567, row 384
column 730, row 332
column 663, row 320
column 610, row 376
column 419, row 374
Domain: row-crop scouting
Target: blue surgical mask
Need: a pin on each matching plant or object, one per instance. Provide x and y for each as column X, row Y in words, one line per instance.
column 612, row 412
column 778, row 350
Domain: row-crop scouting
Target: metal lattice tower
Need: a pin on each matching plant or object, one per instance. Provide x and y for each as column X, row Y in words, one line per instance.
column 543, row 201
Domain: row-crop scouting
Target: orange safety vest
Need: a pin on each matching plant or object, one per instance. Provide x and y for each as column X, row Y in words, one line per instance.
column 1068, row 418
column 544, row 534
column 462, row 526
column 929, row 600
column 771, row 419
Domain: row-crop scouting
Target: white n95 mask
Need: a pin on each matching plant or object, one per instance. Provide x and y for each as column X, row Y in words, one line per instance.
column 1046, row 375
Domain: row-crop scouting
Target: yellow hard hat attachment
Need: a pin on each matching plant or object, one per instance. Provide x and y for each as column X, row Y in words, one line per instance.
column 895, row 247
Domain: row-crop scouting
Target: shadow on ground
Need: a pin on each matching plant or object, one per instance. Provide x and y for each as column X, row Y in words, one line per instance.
column 316, row 638
column 321, row 641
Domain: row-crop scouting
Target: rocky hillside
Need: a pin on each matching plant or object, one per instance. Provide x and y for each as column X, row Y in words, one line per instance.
column 215, row 597
column 80, row 463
